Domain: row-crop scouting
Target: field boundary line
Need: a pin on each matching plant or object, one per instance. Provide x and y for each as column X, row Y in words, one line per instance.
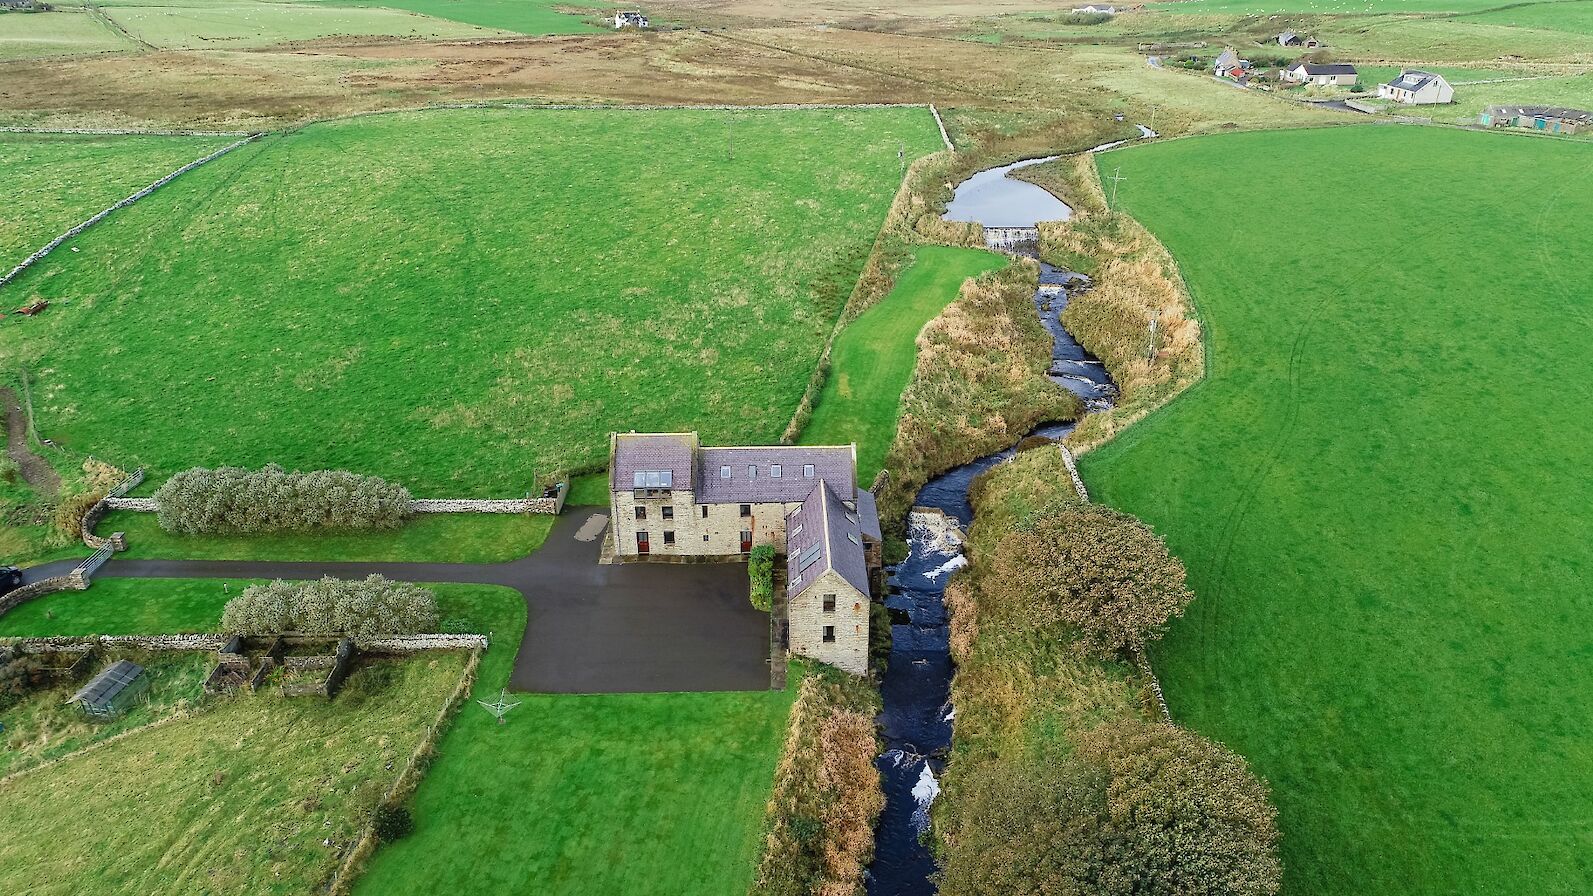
column 944, row 137
column 54, row 244
column 97, row 745
column 121, row 132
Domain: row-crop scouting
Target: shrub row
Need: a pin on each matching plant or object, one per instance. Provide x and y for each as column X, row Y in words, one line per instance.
column 365, row 608
column 1062, row 778
column 760, row 572
column 819, row 828
column 231, row 499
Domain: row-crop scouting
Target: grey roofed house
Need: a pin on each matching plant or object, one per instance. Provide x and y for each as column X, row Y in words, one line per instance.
column 750, row 477
column 825, row 534
column 113, row 690
column 1289, row 39
column 1412, row 80
column 1226, row 60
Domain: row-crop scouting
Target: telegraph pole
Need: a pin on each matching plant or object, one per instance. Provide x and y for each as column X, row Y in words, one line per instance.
column 1116, row 178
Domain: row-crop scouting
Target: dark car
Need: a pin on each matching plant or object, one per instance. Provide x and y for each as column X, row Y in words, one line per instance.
column 10, row 579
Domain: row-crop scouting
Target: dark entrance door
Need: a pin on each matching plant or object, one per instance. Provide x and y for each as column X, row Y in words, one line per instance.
column 641, row 543
column 746, row 540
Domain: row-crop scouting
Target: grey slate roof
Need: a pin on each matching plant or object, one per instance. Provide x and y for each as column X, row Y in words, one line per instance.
column 868, row 512
column 1560, row 112
column 1413, row 80
column 112, row 681
column 837, row 465
column 653, row 452
column 824, row 534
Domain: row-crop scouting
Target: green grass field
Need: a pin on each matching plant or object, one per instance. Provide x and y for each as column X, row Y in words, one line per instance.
column 249, row 24
column 519, row 16
column 1575, row 16
column 873, row 357
column 660, row 794
column 1260, row 7
column 237, row 799
column 345, row 295
column 428, row 537
column 1377, row 493
column 54, row 181
column 29, row 35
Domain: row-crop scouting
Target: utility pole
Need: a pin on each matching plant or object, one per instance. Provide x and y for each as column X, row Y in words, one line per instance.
column 901, row 156
column 1116, row 178
column 1150, row 350
column 1154, row 111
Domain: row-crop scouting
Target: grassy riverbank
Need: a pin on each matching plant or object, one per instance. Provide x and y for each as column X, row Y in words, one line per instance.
column 872, row 360
column 1373, row 493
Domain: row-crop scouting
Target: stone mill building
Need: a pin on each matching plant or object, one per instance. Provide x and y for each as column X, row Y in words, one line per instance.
column 673, row 499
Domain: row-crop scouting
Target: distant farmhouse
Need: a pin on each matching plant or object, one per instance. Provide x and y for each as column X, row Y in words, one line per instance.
column 1549, row 119
column 1323, row 75
column 1417, row 88
column 1096, row 10
column 629, row 20
column 673, row 499
column 1290, row 39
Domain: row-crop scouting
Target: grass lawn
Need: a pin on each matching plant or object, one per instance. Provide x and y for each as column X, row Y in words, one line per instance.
column 1561, row 15
column 1256, row 7
column 179, row 606
column 519, row 16
column 659, row 794
column 343, row 296
column 873, row 357
column 55, row 181
column 250, row 24
column 427, row 537
column 28, row 35
column 236, row 799
column 1377, row 493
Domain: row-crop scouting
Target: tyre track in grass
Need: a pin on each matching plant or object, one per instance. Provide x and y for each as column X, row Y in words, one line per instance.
column 35, row 470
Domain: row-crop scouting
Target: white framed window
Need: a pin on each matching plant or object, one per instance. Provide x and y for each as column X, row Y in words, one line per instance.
column 724, row 472
column 752, row 471
column 807, row 471
column 774, row 471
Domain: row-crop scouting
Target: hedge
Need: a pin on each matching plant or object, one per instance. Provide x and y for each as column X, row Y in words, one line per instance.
column 231, row 499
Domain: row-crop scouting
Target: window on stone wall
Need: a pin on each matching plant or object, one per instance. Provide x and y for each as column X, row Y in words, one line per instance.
column 641, row 513
column 669, row 513
column 746, row 510
column 705, row 511
column 669, row 537
column 829, row 603
column 829, row 634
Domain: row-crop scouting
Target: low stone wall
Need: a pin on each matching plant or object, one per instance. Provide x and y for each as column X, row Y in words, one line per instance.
column 552, row 505
column 117, row 541
column 133, row 642
column 1073, row 471
column 53, row 244
column 69, row 582
column 141, row 505
column 414, row 643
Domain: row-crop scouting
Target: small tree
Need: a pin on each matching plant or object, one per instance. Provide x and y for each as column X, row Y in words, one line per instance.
column 1183, row 815
column 1102, row 573
column 392, row 823
column 760, row 574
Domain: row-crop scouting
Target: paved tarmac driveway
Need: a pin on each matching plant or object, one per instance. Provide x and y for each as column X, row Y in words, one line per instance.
column 637, row 627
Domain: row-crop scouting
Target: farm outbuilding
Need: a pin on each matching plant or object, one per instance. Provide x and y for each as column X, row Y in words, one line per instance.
column 1549, row 119
column 115, row 690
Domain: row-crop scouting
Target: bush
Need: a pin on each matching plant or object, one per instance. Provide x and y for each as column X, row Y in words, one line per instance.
column 760, row 573
column 231, row 499
column 1183, row 815
column 392, row 823
column 1140, row 808
column 1094, row 569
column 67, row 520
column 879, row 637
column 19, row 677
column 358, row 609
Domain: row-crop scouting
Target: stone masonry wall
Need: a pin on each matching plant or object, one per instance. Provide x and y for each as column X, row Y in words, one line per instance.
column 849, row 650
column 718, row 534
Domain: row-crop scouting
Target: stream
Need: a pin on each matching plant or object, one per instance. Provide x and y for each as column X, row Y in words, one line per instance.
column 917, row 718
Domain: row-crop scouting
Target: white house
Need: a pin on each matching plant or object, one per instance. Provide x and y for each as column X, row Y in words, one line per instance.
column 629, row 20
column 1416, row 88
column 1328, row 75
column 1096, row 10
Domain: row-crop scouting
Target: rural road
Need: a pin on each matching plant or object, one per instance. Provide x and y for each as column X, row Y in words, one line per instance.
column 624, row 628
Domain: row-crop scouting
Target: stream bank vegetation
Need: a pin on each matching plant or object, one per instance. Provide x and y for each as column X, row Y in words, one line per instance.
column 1058, row 740
column 819, row 828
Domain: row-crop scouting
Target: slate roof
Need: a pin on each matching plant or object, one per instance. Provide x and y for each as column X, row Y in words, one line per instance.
column 821, row 535
column 653, row 452
column 1413, row 80
column 1286, row 38
column 112, row 681
column 1560, row 112
column 836, row 465
column 868, row 512
column 1335, row 68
